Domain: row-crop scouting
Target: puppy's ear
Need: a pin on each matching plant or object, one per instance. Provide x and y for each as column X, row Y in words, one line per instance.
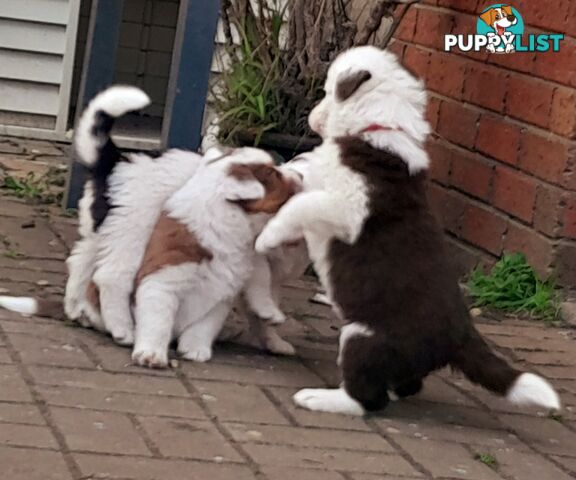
column 348, row 83
column 242, row 185
column 489, row 17
column 507, row 9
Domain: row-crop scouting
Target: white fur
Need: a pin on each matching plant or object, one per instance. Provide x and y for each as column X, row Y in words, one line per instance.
column 23, row 305
column 392, row 98
column 348, row 331
column 334, row 400
column 191, row 301
column 530, row 389
column 114, row 101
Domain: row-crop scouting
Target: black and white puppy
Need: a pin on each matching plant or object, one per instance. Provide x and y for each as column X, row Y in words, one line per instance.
column 378, row 250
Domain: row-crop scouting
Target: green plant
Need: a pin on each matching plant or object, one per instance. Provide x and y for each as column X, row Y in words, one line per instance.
column 32, row 187
column 514, row 286
column 278, row 54
column 487, row 459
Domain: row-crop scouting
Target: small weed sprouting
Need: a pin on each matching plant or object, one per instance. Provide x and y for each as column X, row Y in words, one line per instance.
column 32, row 187
column 487, row 459
column 513, row 286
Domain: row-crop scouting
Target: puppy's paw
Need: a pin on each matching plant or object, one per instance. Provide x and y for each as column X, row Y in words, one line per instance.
column 491, row 48
column 72, row 308
column 150, row 358
column 271, row 314
column 328, row 400
column 123, row 336
column 279, row 346
column 267, row 240
column 199, row 354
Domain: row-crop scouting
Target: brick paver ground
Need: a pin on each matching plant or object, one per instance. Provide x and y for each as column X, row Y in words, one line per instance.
column 72, row 406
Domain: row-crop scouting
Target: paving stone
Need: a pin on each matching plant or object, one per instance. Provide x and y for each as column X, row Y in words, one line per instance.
column 368, row 476
column 560, row 372
column 308, row 437
column 326, row 459
column 548, row 358
column 446, row 459
column 26, row 436
column 194, row 439
column 567, row 462
column 283, row 473
column 31, row 276
column 438, row 413
column 14, row 208
column 23, row 413
column 42, row 243
column 12, row 387
column 528, row 466
column 102, row 432
column 435, row 390
column 4, row 356
column 37, row 265
column 298, row 376
column 115, row 359
column 545, row 345
column 105, row 381
column 239, row 403
column 46, row 351
column 154, row 405
column 495, row 439
column 138, row 468
column 307, row 418
column 28, row 464
column 545, row 434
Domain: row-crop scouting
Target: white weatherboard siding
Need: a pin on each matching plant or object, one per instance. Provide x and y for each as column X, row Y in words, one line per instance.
column 37, row 42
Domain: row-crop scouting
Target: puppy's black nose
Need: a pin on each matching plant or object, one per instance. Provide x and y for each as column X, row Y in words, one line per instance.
column 511, row 17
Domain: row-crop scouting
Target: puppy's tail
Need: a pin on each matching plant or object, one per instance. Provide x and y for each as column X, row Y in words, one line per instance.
column 33, row 306
column 481, row 365
column 92, row 142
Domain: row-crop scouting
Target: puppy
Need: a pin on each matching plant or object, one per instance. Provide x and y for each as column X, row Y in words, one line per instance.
column 122, row 201
column 500, row 19
column 378, row 250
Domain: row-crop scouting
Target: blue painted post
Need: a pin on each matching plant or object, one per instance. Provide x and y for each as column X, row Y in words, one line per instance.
column 190, row 73
column 97, row 74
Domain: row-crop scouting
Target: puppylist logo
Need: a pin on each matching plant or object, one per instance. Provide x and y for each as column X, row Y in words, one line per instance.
column 500, row 29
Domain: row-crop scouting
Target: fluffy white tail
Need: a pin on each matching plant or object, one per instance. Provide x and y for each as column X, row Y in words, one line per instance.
column 33, row 306
column 93, row 129
column 24, row 305
column 530, row 389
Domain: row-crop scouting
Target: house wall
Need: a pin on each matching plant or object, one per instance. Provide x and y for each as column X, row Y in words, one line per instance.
column 504, row 144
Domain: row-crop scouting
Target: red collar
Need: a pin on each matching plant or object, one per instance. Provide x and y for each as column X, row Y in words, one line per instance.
column 375, row 127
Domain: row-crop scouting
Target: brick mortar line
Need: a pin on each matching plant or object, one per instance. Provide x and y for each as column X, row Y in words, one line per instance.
column 278, row 404
column 439, row 8
column 141, row 431
column 496, row 470
column 58, row 236
column 507, row 72
column 508, row 216
column 197, row 397
column 509, row 429
column 64, row 450
column 401, row 451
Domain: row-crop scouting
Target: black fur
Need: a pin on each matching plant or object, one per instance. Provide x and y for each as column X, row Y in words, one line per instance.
column 397, row 280
column 108, row 156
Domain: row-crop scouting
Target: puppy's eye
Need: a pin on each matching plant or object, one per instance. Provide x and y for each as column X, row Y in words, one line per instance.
column 498, row 16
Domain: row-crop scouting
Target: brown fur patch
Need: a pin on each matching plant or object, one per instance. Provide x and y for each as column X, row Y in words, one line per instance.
column 346, row 87
column 170, row 244
column 93, row 295
column 278, row 188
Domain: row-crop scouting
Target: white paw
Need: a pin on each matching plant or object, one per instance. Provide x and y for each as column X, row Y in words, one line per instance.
column 150, row 358
column 123, row 336
column 279, row 346
column 271, row 315
column 509, row 48
column 491, row 48
column 198, row 354
column 328, row 400
column 271, row 237
column 72, row 308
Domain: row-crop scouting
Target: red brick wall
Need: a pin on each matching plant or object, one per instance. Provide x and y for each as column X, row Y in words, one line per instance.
column 504, row 148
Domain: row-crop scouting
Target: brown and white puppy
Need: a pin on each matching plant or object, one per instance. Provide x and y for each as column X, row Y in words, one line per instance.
column 500, row 19
column 378, row 250
column 200, row 255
